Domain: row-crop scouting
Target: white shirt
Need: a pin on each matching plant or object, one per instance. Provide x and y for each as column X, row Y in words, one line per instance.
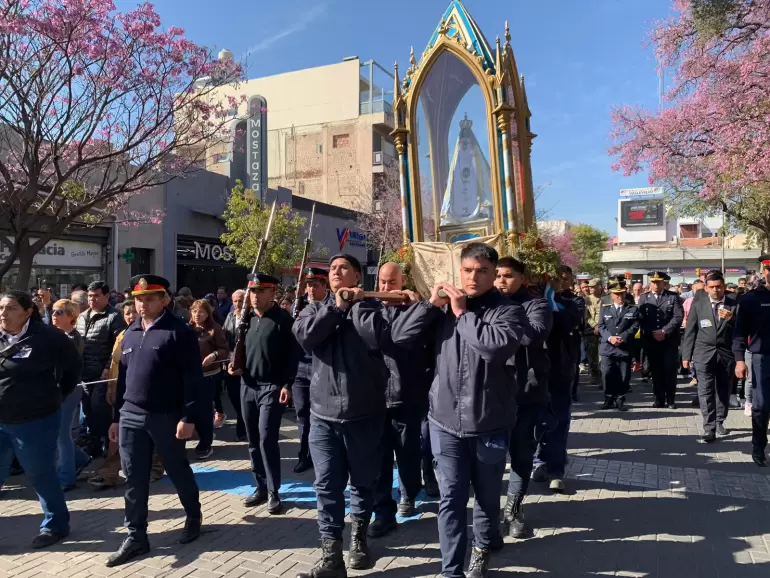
column 11, row 339
column 154, row 321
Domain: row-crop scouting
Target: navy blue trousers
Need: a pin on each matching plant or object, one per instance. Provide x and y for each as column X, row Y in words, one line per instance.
column 522, row 448
column 552, row 450
column 262, row 415
column 760, row 403
column 300, row 393
column 342, row 452
column 462, row 463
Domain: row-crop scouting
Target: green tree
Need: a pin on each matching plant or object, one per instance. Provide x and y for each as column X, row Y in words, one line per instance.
column 246, row 222
column 588, row 242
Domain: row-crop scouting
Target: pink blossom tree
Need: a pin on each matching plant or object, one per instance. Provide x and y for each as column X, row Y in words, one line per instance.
column 710, row 143
column 96, row 106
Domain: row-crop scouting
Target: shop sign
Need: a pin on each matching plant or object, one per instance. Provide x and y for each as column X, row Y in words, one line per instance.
column 188, row 249
column 256, row 144
column 62, row 253
column 353, row 238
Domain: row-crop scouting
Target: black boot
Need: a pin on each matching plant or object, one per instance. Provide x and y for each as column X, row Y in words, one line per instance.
column 331, row 564
column 609, row 402
column 513, row 517
column 478, row 567
column 620, row 403
column 358, row 556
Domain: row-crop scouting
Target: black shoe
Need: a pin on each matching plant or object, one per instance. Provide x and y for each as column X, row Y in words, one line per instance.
column 203, row 453
column 760, row 460
column 539, row 474
column 478, row 567
column 191, row 530
column 406, row 508
column 303, row 466
column 47, row 538
column 258, row 498
column 722, row 431
column 707, row 439
column 609, row 403
column 513, row 518
column 273, row 503
column 658, row 404
column 672, row 405
column 358, row 556
column 620, row 403
column 331, row 564
column 431, row 487
column 734, row 403
column 382, row 526
column 496, row 543
column 128, row 550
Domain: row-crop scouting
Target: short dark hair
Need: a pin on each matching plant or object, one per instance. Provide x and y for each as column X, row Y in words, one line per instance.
column 79, row 287
column 99, row 286
column 223, row 288
column 479, row 251
column 562, row 269
column 511, row 263
column 24, row 299
column 126, row 304
column 714, row 276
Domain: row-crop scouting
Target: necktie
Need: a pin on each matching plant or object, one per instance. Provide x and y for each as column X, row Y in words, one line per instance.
column 716, row 311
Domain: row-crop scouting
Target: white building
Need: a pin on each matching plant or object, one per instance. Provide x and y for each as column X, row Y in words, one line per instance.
column 648, row 239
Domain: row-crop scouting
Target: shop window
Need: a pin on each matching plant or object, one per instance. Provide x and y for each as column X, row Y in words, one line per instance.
column 340, row 141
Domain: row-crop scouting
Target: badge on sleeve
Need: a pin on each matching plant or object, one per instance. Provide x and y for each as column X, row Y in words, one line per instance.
column 23, row 353
column 706, row 323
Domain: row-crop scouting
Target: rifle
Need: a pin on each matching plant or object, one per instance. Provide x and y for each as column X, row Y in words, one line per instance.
column 347, row 295
column 239, row 352
column 300, row 301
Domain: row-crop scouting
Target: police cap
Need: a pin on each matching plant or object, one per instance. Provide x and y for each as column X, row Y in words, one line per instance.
column 617, row 285
column 144, row 284
column 316, row 273
column 659, row 276
column 261, row 281
column 765, row 261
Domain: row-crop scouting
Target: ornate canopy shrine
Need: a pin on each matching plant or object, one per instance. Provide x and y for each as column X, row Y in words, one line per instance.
column 478, row 184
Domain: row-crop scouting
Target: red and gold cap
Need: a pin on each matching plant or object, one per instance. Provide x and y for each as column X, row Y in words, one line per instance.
column 261, row 281
column 144, row 284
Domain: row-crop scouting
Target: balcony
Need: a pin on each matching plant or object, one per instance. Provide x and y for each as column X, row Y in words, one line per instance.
column 375, row 100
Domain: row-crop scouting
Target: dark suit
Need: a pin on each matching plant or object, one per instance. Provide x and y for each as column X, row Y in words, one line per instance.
column 662, row 312
column 622, row 322
column 708, row 342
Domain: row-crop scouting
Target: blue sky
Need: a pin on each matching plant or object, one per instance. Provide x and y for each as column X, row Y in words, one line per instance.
column 579, row 58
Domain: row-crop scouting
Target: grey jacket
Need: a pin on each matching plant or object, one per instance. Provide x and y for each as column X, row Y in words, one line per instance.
column 99, row 331
column 349, row 374
column 474, row 386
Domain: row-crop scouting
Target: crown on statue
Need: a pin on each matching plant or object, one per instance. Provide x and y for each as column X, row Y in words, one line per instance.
column 466, row 123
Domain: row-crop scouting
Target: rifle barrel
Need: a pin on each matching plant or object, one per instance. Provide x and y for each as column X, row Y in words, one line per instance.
column 347, row 295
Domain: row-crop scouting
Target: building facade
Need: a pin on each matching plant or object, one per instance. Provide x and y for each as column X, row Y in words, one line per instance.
column 327, row 132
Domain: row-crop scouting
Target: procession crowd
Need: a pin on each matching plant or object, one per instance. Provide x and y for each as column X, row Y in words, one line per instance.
column 448, row 386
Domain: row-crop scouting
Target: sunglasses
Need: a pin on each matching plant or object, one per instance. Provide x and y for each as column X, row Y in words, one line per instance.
column 57, row 312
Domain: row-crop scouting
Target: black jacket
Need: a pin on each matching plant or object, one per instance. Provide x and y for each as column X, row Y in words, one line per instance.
column 580, row 304
column 36, row 373
column 99, row 331
column 623, row 323
column 271, row 350
column 707, row 336
column 532, row 361
column 160, row 369
column 349, row 373
column 561, row 344
column 230, row 327
column 752, row 324
column 665, row 312
column 409, row 379
column 474, row 387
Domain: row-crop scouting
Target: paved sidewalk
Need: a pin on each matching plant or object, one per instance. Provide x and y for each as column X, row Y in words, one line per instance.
column 643, row 500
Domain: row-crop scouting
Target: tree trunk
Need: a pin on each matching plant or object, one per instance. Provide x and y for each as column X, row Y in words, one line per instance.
column 26, row 256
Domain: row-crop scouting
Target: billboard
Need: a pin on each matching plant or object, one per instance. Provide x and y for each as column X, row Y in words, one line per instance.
column 644, row 191
column 642, row 213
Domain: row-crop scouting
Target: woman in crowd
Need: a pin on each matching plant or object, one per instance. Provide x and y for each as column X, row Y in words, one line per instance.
column 72, row 459
column 214, row 351
column 39, row 366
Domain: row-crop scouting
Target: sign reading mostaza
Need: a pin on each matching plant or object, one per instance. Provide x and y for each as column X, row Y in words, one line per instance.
column 256, row 144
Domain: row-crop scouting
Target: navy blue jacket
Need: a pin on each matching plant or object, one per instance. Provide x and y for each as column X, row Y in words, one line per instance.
column 474, row 387
column 561, row 344
column 752, row 324
column 532, row 361
column 160, row 369
column 349, row 373
column 665, row 312
column 623, row 323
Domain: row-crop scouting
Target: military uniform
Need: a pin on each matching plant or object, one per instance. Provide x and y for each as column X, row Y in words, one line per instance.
column 590, row 336
column 617, row 321
column 661, row 311
column 159, row 386
column 752, row 333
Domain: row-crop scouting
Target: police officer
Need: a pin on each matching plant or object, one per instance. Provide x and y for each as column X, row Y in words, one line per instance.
column 564, row 272
column 532, row 366
column 476, row 332
column 618, row 324
column 752, row 332
column 406, row 399
column 660, row 317
column 593, row 303
column 271, row 365
column 347, row 412
column 159, row 385
column 316, row 291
